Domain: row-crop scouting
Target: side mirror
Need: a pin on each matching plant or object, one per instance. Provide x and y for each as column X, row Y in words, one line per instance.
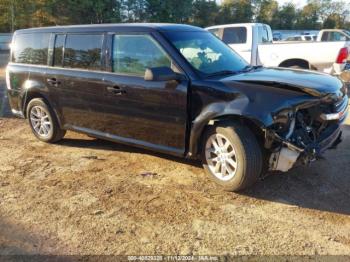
column 160, row 74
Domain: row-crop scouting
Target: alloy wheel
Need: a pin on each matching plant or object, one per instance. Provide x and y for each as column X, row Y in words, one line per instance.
column 41, row 121
column 221, row 157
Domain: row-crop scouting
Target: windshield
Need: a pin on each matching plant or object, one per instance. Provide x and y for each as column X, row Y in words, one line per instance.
column 206, row 53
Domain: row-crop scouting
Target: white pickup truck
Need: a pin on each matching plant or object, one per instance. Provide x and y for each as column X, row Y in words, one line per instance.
column 253, row 41
column 332, row 35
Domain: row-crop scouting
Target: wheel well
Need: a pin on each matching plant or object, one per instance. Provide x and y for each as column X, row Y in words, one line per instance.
column 254, row 127
column 295, row 62
column 32, row 95
column 29, row 97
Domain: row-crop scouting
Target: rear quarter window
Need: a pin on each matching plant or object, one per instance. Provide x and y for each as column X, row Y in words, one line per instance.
column 235, row 35
column 83, row 51
column 31, row 48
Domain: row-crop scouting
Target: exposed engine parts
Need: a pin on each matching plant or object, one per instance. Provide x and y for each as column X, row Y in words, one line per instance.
column 304, row 139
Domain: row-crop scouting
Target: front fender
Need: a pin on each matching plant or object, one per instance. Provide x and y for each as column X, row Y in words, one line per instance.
column 238, row 108
column 263, row 110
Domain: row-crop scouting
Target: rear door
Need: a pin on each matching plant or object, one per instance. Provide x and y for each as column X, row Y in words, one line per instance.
column 76, row 80
column 148, row 113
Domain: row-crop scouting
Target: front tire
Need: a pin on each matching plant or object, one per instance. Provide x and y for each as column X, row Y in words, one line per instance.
column 43, row 121
column 232, row 155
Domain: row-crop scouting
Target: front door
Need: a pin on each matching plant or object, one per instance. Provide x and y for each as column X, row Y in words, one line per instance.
column 149, row 113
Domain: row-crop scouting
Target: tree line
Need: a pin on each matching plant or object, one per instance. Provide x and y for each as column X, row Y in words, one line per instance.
column 316, row 14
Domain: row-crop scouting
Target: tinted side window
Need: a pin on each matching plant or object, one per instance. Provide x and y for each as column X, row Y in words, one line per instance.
column 83, row 51
column 132, row 54
column 263, row 36
column 336, row 36
column 235, row 35
column 58, row 51
column 31, row 48
column 325, row 36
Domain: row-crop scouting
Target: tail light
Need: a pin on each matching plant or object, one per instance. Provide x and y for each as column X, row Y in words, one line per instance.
column 343, row 55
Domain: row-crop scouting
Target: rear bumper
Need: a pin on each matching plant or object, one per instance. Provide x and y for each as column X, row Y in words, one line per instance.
column 14, row 99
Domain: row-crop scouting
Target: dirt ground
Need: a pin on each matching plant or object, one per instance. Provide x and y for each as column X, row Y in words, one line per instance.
column 86, row 196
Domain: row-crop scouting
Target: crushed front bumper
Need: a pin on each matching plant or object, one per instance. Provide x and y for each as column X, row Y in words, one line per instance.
column 330, row 140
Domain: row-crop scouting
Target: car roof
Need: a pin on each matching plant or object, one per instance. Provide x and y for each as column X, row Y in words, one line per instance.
column 136, row 27
column 234, row 25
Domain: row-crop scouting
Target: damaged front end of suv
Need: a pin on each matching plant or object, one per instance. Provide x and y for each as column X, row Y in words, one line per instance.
column 301, row 113
column 312, row 127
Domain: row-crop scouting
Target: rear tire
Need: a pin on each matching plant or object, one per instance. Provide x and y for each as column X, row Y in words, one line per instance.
column 43, row 121
column 235, row 162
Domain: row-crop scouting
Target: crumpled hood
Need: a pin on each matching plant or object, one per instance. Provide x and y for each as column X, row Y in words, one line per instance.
column 312, row 83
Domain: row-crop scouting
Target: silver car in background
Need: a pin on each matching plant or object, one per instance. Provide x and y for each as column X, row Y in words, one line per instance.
column 5, row 40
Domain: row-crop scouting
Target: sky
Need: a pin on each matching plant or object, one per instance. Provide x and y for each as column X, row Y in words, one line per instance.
column 298, row 3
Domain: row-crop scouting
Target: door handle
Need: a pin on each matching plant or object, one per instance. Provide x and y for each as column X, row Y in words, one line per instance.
column 53, row 81
column 115, row 90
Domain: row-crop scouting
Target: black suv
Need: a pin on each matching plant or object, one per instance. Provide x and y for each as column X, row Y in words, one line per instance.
column 175, row 89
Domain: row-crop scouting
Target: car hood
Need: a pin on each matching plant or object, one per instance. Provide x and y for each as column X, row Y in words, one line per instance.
column 312, row 83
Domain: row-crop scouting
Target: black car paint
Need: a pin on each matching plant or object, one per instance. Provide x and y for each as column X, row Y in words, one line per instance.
column 260, row 100
column 166, row 116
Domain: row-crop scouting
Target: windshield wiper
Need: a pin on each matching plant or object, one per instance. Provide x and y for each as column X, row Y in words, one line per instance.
column 223, row 72
column 249, row 68
column 245, row 69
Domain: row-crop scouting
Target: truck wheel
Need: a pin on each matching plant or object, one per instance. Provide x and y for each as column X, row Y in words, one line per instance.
column 43, row 121
column 296, row 67
column 232, row 155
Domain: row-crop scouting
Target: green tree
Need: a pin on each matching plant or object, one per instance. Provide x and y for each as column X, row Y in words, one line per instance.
column 7, row 15
column 15, row 14
column 204, row 12
column 134, row 10
column 266, row 10
column 169, row 11
column 308, row 17
column 286, row 17
column 334, row 21
column 236, row 11
column 89, row 11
